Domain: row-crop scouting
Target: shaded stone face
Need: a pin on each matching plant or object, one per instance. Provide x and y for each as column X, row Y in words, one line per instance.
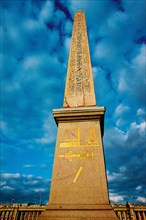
column 79, row 89
column 79, row 173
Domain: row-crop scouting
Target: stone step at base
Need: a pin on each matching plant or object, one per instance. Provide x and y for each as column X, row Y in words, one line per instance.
column 104, row 212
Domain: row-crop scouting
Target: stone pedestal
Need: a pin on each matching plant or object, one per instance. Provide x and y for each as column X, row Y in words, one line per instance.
column 79, row 184
column 78, row 212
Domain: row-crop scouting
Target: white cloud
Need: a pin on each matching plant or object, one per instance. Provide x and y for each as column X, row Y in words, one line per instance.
column 7, row 188
column 101, row 50
column 67, row 44
column 44, row 165
column 132, row 80
column 31, row 182
column 114, row 176
column 140, row 112
column 31, row 24
column 24, row 189
column 141, row 128
column 139, row 62
column 32, row 62
column 123, row 169
column 39, row 190
column 49, row 134
column 116, row 20
column 138, row 188
column 141, row 199
column 14, row 33
column 12, row 87
column 28, row 176
column 121, row 109
column 115, row 137
column 120, row 122
column 122, row 86
column 132, row 137
column 116, row 198
column 68, row 27
column 28, row 165
column 10, row 175
column 2, row 183
column 46, row 11
column 3, row 125
column 121, row 115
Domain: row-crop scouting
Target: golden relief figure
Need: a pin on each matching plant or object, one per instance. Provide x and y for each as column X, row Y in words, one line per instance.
column 70, row 155
column 76, row 141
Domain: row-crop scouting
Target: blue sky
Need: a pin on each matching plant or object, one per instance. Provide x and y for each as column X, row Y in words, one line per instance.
column 34, row 55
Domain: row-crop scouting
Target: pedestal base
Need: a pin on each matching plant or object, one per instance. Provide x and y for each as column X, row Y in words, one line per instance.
column 78, row 212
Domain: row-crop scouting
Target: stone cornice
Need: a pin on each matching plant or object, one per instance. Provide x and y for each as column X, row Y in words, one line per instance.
column 80, row 114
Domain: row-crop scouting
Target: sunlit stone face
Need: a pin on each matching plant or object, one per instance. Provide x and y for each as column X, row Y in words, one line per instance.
column 79, row 84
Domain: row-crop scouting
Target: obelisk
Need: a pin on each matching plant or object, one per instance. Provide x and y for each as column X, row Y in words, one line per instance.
column 79, row 183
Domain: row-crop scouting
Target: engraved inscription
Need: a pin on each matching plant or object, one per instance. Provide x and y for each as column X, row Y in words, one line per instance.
column 70, row 155
column 79, row 64
column 92, row 137
column 75, row 140
column 79, row 87
column 77, row 174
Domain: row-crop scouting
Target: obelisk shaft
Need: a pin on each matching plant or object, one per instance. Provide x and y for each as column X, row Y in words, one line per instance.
column 79, row 185
column 79, row 91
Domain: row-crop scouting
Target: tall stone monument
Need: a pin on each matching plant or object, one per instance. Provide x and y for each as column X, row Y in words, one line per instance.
column 79, row 183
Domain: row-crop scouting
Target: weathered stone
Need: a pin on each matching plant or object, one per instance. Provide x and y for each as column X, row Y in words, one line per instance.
column 79, row 89
column 79, row 184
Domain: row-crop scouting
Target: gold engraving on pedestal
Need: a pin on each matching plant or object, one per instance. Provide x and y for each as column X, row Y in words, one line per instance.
column 70, row 155
column 72, row 142
column 77, row 174
column 76, row 141
column 92, row 137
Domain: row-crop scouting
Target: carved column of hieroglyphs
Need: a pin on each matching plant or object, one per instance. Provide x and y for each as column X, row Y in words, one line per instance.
column 79, row 89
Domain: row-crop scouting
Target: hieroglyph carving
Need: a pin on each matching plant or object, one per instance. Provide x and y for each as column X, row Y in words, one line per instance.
column 79, row 62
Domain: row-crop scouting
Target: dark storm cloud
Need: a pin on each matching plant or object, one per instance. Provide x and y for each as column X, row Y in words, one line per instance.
column 34, row 56
column 119, row 5
column 61, row 7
